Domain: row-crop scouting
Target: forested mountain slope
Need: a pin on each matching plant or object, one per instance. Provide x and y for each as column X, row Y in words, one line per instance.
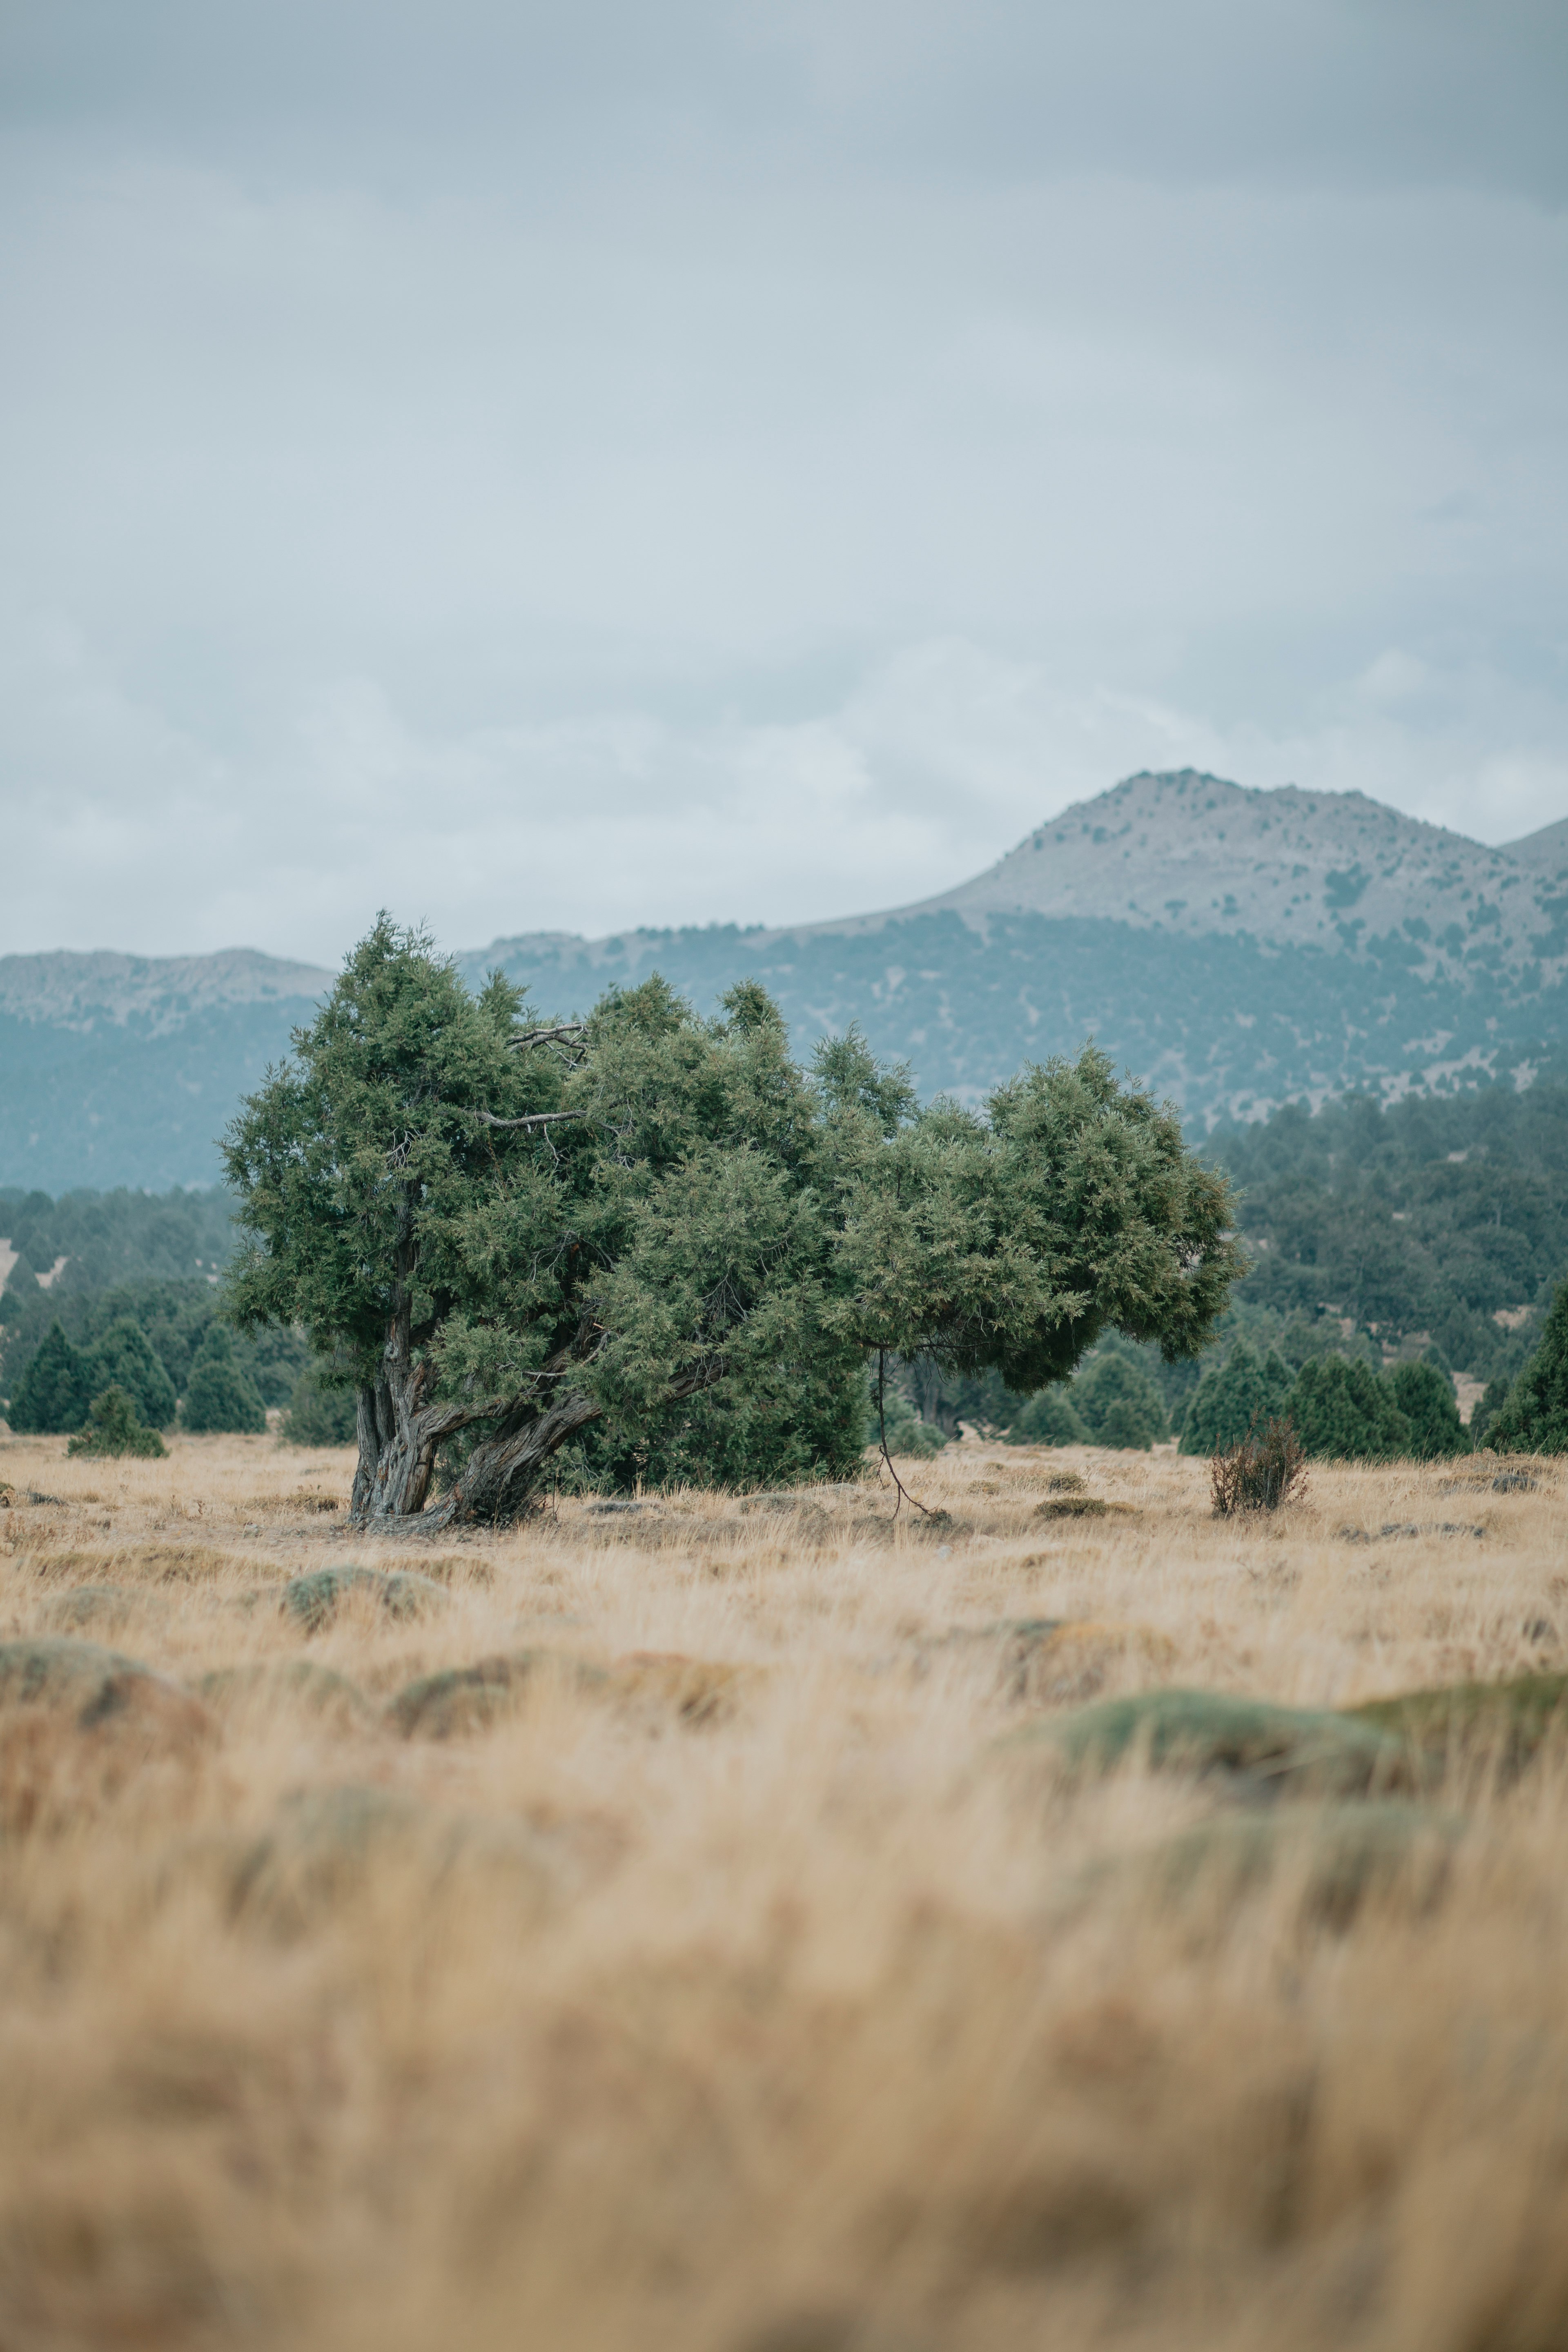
column 1236, row 949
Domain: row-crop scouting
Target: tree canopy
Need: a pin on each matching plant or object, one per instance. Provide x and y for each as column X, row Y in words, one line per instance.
column 504, row 1232
column 1534, row 1415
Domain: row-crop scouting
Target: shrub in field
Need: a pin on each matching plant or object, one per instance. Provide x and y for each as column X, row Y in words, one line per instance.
column 112, row 1426
column 1050, row 1418
column 1426, row 1397
column 318, row 1415
column 124, row 1359
column 1534, row 1418
column 220, row 1395
column 1345, row 1413
column 1119, row 1404
column 53, row 1393
column 660, row 1231
column 1232, row 1395
column 1259, row 1472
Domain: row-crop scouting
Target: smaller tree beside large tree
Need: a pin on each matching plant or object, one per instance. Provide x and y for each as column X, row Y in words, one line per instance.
column 504, row 1233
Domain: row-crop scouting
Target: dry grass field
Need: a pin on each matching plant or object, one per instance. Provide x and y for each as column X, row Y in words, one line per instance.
column 735, row 1964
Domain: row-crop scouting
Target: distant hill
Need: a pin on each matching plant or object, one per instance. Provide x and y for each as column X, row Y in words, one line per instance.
column 1236, row 949
column 120, row 1069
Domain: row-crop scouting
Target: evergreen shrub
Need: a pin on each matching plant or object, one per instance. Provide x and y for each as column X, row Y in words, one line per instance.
column 1232, row 1395
column 1119, row 1404
column 1345, row 1411
column 53, row 1393
column 1534, row 1418
column 1426, row 1397
column 114, row 1427
column 1050, row 1418
column 124, row 1359
column 221, row 1395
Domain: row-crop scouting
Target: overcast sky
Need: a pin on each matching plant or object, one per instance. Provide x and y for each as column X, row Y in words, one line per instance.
column 685, row 461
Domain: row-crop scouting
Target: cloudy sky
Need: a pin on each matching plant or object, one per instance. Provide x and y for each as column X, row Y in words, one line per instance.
column 685, row 461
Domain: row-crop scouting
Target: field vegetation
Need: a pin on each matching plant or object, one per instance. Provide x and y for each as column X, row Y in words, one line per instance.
column 768, row 1923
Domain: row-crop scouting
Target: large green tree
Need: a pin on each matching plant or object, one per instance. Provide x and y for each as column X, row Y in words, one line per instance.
column 505, row 1231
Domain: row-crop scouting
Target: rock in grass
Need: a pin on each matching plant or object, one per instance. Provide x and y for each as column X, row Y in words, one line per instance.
column 471, row 1698
column 1507, row 1723
column 314, row 1600
column 298, row 1685
column 330, row 1850
column 1269, row 1747
column 1337, row 1855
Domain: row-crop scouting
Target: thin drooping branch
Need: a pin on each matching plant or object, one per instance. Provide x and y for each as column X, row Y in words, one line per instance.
column 904, row 1494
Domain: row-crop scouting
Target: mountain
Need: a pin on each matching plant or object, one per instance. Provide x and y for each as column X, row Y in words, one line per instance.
column 120, row 1069
column 1235, row 947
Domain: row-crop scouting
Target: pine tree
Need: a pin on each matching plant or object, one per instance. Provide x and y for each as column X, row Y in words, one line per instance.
column 1343, row 1412
column 1050, row 1418
column 52, row 1394
column 1426, row 1397
column 1240, row 1392
column 1119, row 1404
column 124, row 1359
column 219, row 1395
column 113, row 1426
column 1534, row 1418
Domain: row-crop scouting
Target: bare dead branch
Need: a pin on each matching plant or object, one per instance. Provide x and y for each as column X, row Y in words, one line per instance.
column 543, row 1036
column 534, row 1119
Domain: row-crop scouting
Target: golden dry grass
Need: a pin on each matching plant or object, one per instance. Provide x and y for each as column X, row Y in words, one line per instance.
column 722, row 1978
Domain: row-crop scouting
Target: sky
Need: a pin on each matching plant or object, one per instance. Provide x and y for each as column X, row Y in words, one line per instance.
column 563, row 469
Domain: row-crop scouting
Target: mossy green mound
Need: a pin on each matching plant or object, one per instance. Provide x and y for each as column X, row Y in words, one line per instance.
column 471, row 1698
column 314, row 1600
column 106, row 1605
column 1212, row 1731
column 1507, row 1723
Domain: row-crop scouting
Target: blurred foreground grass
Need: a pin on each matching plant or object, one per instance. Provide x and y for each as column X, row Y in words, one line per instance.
column 649, row 1929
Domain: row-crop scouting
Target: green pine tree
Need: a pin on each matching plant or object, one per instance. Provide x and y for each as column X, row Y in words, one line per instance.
column 52, row 1394
column 1049, row 1418
column 1426, row 1397
column 1242, row 1391
column 1534, row 1419
column 1119, row 1404
column 124, row 1359
column 220, row 1395
column 113, row 1426
column 1343, row 1412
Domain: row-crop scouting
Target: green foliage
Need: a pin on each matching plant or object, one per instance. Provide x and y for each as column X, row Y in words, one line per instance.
column 1240, row 1390
column 671, row 1230
column 1344, row 1412
column 53, row 1394
column 124, row 1359
column 318, row 1414
column 1119, row 1404
column 112, row 1237
column 219, row 1395
column 1426, row 1397
column 1049, row 1418
column 1534, row 1419
column 114, row 1427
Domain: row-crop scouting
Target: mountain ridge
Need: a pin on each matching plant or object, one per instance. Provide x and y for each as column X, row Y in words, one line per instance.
column 1232, row 948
